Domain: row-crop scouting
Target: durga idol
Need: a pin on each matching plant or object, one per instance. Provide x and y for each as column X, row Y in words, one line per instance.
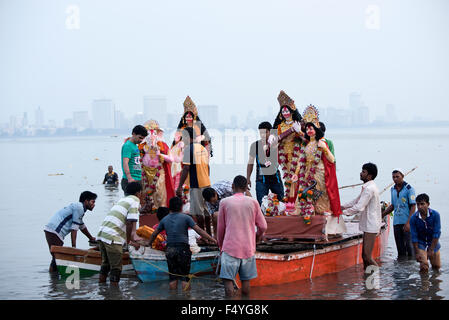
column 290, row 136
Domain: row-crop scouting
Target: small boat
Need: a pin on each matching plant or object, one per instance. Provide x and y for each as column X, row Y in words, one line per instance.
column 88, row 261
column 151, row 265
column 281, row 262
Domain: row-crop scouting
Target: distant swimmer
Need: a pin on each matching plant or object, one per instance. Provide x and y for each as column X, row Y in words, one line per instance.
column 111, row 177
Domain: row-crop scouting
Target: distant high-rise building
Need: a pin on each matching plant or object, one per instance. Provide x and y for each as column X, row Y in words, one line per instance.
column 390, row 113
column 68, row 123
column 155, row 107
column 139, row 118
column 25, row 120
column 355, row 100
column 172, row 120
column 39, row 117
column 120, row 120
column 208, row 115
column 361, row 116
column 81, row 119
column 103, row 114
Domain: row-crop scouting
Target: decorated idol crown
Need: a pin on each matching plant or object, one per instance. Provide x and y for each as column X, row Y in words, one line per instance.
column 285, row 100
column 311, row 114
column 189, row 106
column 152, row 125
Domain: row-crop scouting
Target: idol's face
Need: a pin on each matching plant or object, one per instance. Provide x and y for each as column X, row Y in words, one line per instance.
column 310, row 131
column 178, row 136
column 189, row 118
column 286, row 113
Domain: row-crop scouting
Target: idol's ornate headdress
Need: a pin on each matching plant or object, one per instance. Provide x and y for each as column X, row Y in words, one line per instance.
column 152, row 125
column 285, row 100
column 311, row 114
column 189, row 106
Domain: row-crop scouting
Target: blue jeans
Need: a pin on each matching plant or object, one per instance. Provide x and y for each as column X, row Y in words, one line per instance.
column 262, row 190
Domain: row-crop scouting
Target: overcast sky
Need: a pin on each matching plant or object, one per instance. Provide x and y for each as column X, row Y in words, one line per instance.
column 236, row 54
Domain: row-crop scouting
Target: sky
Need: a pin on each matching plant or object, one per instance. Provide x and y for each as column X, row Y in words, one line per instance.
column 60, row 55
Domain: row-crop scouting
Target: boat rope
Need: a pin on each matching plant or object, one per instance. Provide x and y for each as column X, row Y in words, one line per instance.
column 190, row 275
column 313, row 261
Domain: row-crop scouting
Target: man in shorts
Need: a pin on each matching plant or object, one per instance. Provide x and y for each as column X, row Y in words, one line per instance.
column 196, row 169
column 238, row 217
column 425, row 229
column 178, row 254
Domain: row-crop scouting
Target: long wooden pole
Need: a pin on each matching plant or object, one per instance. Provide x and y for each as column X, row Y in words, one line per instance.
column 389, row 186
column 359, row 184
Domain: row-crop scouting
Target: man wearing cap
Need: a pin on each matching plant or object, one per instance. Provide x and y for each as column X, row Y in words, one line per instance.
column 404, row 205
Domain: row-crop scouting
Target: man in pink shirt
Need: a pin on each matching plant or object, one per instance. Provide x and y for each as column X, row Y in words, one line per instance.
column 238, row 217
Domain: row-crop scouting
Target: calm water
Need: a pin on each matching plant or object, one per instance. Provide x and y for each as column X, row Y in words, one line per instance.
column 31, row 193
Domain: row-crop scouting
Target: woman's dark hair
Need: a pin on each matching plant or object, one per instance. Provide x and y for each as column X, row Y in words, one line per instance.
column 279, row 118
column 87, row 195
column 140, row 130
column 322, row 127
column 133, row 188
column 371, row 168
column 240, row 182
column 162, row 212
column 175, row 204
column 318, row 133
column 207, row 139
column 209, row 193
column 422, row 197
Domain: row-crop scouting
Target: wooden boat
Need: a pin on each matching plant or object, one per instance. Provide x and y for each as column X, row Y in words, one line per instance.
column 283, row 262
column 87, row 261
column 152, row 265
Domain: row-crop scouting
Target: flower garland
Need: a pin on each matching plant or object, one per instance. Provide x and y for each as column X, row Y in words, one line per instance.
column 273, row 206
column 288, row 174
column 306, row 200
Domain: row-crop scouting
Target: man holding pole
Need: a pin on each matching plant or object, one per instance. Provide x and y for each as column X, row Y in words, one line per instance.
column 404, row 205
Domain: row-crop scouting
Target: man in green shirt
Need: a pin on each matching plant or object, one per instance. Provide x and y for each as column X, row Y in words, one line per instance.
column 132, row 170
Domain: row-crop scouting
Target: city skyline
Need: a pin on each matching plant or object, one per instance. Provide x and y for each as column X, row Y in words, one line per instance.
column 62, row 59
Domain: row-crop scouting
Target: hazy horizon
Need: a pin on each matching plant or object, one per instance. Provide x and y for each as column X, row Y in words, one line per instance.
column 234, row 54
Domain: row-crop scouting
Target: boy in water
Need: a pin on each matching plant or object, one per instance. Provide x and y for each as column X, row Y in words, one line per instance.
column 425, row 229
column 178, row 252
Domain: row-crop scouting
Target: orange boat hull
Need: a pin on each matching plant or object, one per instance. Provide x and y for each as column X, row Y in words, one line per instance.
column 275, row 268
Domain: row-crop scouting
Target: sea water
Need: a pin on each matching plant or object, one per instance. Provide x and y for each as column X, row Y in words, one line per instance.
column 42, row 175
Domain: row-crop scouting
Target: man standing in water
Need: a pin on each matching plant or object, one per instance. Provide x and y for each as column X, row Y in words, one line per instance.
column 404, row 205
column 368, row 205
column 132, row 170
column 69, row 220
column 238, row 218
column 111, row 177
column 425, row 228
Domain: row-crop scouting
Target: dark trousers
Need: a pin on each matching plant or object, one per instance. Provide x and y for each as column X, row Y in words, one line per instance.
column 262, row 190
column 403, row 241
column 52, row 240
column 124, row 184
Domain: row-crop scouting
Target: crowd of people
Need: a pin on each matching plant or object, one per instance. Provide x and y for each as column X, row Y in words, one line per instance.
column 174, row 183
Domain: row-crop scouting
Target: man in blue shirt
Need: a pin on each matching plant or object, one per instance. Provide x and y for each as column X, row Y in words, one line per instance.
column 425, row 228
column 69, row 220
column 404, row 205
